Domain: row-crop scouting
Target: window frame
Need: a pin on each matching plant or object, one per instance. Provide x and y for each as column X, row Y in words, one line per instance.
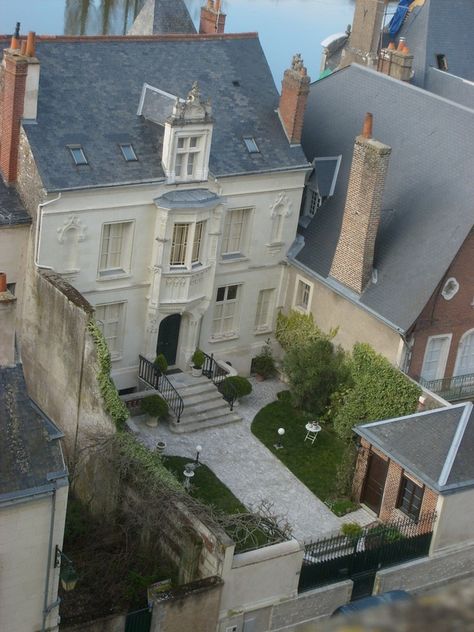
column 305, row 309
column 185, row 152
column 81, row 160
column 241, row 252
column 195, row 229
column 461, row 352
column 116, row 353
column 414, row 515
column 125, row 252
column 129, row 146
column 266, row 326
column 233, row 331
column 443, row 359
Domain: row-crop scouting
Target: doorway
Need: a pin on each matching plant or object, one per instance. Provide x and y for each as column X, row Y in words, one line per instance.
column 374, row 482
column 168, row 335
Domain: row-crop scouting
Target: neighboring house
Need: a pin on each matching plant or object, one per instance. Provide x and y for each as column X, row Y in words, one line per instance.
column 162, row 16
column 414, row 465
column 171, row 216
column 387, row 258
column 33, row 495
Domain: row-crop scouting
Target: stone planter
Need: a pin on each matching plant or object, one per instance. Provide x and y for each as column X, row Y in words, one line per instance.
column 259, row 377
column 152, row 422
column 196, row 372
column 160, row 447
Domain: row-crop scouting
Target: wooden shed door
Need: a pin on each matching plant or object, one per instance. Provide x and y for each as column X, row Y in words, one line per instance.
column 374, row 482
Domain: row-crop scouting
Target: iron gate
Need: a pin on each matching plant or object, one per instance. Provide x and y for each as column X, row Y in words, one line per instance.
column 138, row 621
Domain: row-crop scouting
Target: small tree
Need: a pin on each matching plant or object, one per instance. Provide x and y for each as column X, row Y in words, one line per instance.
column 315, row 371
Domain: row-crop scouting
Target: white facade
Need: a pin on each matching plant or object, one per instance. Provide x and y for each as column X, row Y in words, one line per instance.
column 119, row 247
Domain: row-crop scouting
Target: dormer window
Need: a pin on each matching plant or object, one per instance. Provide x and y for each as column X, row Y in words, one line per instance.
column 187, row 156
column 128, row 152
column 78, row 155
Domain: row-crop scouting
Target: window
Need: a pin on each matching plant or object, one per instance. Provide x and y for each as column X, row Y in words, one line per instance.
column 303, row 295
column 197, row 243
column 116, row 248
column 264, row 312
column 235, row 232
column 225, row 311
column 436, row 354
column 187, row 150
column 110, row 318
column 251, row 145
column 465, row 355
column 313, row 203
column 410, row 498
column 442, row 62
column 179, row 244
column 450, row 289
column 128, row 152
column 78, row 155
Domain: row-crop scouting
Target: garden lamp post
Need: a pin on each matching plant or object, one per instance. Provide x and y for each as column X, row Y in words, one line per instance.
column 67, row 573
column 198, row 452
column 279, row 445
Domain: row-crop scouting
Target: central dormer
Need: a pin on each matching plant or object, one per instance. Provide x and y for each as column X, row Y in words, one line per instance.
column 187, row 139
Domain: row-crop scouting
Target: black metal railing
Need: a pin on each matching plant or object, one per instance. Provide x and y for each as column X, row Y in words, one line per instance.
column 343, row 557
column 217, row 375
column 151, row 375
column 451, row 388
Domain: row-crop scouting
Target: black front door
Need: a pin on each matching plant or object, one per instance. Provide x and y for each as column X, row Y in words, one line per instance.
column 168, row 335
column 374, row 482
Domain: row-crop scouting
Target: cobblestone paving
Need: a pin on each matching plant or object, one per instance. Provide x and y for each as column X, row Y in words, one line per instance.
column 250, row 470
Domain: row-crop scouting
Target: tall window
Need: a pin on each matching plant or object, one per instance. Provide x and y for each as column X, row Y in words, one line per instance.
column 187, row 151
column 465, row 356
column 179, row 244
column 110, row 318
column 225, row 311
column 410, row 498
column 303, row 295
column 436, row 354
column 115, row 248
column 197, row 242
column 235, row 232
column 263, row 316
column 187, row 244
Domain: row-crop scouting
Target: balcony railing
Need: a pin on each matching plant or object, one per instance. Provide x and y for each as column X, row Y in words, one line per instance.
column 217, row 375
column 451, row 388
column 151, row 375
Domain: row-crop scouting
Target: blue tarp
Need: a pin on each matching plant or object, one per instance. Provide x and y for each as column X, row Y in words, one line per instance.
column 396, row 22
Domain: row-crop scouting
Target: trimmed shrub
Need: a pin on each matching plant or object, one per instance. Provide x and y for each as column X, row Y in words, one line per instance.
column 235, row 385
column 198, row 359
column 298, row 329
column 380, row 391
column 154, row 406
column 161, row 362
column 263, row 363
column 351, row 530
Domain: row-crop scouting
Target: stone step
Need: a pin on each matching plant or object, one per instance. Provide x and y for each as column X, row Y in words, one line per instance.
column 201, row 398
column 205, row 413
column 209, row 406
column 193, row 426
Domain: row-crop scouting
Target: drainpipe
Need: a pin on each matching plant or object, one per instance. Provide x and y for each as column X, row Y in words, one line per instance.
column 39, row 222
column 47, row 608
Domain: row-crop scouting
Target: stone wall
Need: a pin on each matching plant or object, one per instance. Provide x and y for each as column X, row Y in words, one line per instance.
column 29, row 184
column 114, row 623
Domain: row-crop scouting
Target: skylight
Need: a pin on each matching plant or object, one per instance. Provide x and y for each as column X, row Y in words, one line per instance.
column 78, row 155
column 128, row 152
column 251, row 145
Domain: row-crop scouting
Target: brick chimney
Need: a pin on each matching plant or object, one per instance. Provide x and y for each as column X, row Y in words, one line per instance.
column 7, row 324
column 364, row 40
column 212, row 18
column 354, row 256
column 294, row 95
column 397, row 63
column 18, row 99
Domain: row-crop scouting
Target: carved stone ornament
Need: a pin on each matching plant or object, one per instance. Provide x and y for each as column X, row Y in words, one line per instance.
column 281, row 205
column 72, row 223
column 152, row 327
column 193, row 108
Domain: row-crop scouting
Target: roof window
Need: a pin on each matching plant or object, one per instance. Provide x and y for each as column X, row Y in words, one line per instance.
column 251, row 145
column 78, row 155
column 236, row 83
column 442, row 62
column 128, row 152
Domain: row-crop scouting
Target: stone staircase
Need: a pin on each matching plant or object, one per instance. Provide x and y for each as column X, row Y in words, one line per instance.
column 204, row 406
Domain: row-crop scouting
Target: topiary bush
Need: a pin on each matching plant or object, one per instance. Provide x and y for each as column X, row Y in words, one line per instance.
column 154, row 406
column 380, row 391
column 161, row 362
column 263, row 364
column 235, row 386
column 198, row 359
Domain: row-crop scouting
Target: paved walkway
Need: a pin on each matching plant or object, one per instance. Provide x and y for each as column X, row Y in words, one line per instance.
column 250, row 470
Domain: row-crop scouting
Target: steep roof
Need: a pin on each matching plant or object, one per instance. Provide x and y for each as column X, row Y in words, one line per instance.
column 437, row 446
column 12, row 211
column 441, row 27
column 30, row 451
column 427, row 203
column 89, row 95
column 163, row 16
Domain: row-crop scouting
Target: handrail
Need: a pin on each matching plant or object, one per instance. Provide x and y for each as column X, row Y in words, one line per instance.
column 452, row 388
column 217, row 375
column 151, row 375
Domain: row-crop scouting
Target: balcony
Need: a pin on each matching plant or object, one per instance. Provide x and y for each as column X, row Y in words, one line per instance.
column 186, row 286
column 451, row 388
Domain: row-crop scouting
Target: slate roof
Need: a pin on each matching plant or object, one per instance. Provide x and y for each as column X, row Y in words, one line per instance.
column 441, row 27
column 90, row 91
column 427, row 203
column 12, row 211
column 436, row 447
column 163, row 16
column 29, row 441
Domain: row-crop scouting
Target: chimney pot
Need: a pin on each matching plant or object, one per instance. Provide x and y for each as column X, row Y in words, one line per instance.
column 368, row 125
column 23, row 47
column 30, row 44
column 401, row 43
column 3, row 282
column 391, row 46
column 294, row 95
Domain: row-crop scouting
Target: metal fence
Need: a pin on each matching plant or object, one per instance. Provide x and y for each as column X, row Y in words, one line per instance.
column 344, row 557
column 149, row 373
column 451, row 388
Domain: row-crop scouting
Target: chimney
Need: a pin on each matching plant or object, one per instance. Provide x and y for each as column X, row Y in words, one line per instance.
column 294, row 95
column 18, row 99
column 353, row 259
column 212, row 18
column 7, row 320
column 366, row 32
column 397, row 63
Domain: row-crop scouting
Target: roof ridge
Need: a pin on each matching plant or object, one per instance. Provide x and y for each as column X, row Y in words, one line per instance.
column 453, row 450
column 143, row 38
column 422, row 413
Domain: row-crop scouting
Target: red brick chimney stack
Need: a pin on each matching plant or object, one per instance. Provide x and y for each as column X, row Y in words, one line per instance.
column 18, row 64
column 294, row 95
column 354, row 256
column 212, row 18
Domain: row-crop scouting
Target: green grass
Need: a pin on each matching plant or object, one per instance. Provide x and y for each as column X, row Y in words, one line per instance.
column 314, row 464
column 205, row 485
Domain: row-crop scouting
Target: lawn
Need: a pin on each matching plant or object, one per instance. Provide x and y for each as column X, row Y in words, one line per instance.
column 205, row 485
column 314, row 464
